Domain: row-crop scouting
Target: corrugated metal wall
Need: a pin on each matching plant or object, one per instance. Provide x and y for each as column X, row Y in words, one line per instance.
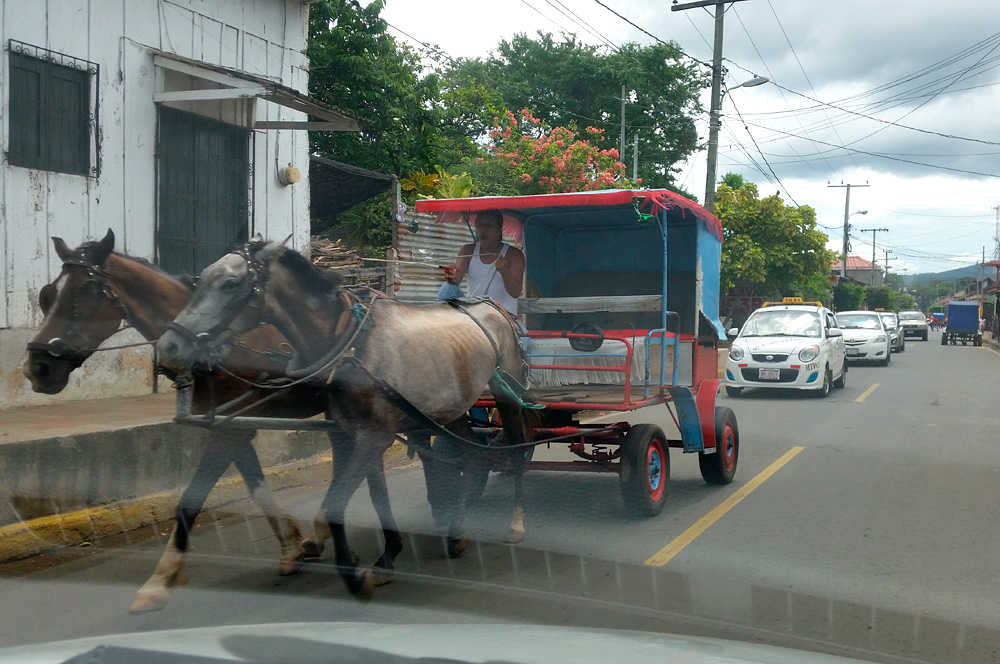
column 434, row 244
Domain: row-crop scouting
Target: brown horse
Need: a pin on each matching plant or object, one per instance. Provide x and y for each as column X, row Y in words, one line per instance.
column 380, row 369
column 98, row 289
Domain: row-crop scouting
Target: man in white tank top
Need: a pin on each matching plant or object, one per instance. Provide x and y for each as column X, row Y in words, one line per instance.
column 494, row 269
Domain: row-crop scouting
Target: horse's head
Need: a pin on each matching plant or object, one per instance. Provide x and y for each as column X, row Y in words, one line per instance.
column 80, row 312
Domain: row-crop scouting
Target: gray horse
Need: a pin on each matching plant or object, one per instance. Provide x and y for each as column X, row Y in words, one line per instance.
column 381, row 363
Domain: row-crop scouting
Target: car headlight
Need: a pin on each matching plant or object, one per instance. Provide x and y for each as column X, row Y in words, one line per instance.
column 809, row 354
column 736, row 353
column 880, row 339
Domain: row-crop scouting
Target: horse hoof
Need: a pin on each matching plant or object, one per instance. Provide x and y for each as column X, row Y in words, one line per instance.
column 383, row 575
column 149, row 601
column 288, row 567
column 514, row 536
column 364, row 586
column 457, row 546
column 311, row 550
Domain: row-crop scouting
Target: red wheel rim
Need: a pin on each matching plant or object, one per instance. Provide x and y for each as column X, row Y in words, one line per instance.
column 656, row 478
column 728, row 450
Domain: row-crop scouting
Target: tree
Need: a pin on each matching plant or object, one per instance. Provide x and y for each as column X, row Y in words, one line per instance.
column 772, row 246
column 565, row 81
column 356, row 66
column 848, row 297
column 879, row 297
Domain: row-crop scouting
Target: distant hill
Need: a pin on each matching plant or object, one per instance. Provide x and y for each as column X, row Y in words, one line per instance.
column 948, row 275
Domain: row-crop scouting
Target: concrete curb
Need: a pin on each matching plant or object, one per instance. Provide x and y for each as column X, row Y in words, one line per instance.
column 48, row 533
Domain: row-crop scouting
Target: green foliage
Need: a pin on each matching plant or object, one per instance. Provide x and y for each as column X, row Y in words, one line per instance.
column 732, row 180
column 848, row 297
column 767, row 244
column 565, row 81
column 879, row 297
column 439, row 184
column 904, row 301
column 814, row 288
column 356, row 66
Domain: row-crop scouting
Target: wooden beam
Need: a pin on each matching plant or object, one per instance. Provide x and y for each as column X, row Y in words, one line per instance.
column 202, row 95
column 343, row 125
column 199, row 72
column 586, row 305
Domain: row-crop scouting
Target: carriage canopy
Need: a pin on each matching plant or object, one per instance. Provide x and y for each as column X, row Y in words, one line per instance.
column 612, row 242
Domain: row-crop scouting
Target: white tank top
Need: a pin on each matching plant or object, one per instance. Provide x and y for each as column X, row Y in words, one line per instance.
column 485, row 282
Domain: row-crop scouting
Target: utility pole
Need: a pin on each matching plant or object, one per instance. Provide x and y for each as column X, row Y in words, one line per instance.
column 847, row 227
column 873, row 231
column 886, row 259
column 713, row 118
column 635, row 155
column 621, row 143
column 996, row 235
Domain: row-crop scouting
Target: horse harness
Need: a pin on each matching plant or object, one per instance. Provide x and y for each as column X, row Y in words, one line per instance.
column 98, row 280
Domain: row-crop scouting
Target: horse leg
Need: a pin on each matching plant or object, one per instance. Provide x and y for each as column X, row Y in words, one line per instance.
column 346, row 479
column 156, row 592
column 284, row 525
column 379, row 493
column 457, row 538
column 515, row 532
column 314, row 544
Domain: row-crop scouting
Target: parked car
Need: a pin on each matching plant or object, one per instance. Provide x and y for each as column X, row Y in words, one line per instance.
column 789, row 344
column 914, row 324
column 896, row 336
column 865, row 337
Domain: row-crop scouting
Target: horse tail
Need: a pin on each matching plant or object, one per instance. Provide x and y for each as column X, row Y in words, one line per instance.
column 520, row 416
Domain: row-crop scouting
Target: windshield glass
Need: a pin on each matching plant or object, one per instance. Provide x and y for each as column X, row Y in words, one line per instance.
column 859, row 321
column 519, row 316
column 888, row 319
column 783, row 324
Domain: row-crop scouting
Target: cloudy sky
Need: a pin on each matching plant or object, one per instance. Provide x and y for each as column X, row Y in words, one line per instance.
column 844, row 76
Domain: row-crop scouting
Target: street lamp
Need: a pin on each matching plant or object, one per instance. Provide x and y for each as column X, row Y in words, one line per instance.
column 714, row 123
column 847, row 228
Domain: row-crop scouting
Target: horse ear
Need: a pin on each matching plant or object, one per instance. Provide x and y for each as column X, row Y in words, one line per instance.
column 62, row 250
column 257, row 239
column 270, row 252
column 107, row 245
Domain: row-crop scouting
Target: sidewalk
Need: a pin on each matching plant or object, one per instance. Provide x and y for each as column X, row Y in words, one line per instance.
column 81, row 417
column 74, row 471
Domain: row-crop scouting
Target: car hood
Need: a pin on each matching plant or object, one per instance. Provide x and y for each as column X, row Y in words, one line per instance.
column 399, row 644
column 775, row 344
column 861, row 335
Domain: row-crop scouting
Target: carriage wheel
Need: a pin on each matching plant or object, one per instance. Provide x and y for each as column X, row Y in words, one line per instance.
column 720, row 467
column 645, row 470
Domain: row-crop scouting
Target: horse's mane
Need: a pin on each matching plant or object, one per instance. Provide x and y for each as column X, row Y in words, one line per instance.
column 313, row 280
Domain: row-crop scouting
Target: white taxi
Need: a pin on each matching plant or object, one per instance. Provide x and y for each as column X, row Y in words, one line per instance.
column 790, row 345
column 865, row 337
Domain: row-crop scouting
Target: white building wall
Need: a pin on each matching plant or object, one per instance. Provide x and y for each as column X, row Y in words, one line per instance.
column 259, row 37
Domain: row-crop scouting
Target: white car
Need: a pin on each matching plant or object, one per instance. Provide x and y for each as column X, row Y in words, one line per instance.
column 789, row 345
column 865, row 337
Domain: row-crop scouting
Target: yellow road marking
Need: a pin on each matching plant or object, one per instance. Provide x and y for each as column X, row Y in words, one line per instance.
column 666, row 554
column 867, row 392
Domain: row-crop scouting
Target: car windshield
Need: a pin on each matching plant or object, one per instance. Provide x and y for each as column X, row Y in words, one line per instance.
column 888, row 319
column 911, row 315
column 859, row 321
column 786, row 323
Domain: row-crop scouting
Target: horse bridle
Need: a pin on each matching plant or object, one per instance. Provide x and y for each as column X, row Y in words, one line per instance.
column 98, row 280
column 251, row 295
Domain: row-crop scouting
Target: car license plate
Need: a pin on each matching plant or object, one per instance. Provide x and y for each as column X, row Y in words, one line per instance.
column 854, row 351
column 769, row 374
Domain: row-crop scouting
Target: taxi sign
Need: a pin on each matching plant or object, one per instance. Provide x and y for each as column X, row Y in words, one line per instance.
column 792, row 300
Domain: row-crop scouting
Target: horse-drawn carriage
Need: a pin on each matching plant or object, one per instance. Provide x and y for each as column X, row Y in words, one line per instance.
column 621, row 313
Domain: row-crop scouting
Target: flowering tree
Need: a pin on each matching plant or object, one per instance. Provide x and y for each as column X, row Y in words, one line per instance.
column 543, row 160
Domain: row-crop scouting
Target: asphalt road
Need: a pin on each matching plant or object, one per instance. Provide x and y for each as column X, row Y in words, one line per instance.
column 864, row 524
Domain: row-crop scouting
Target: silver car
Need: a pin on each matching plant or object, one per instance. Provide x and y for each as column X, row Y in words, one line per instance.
column 895, row 329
